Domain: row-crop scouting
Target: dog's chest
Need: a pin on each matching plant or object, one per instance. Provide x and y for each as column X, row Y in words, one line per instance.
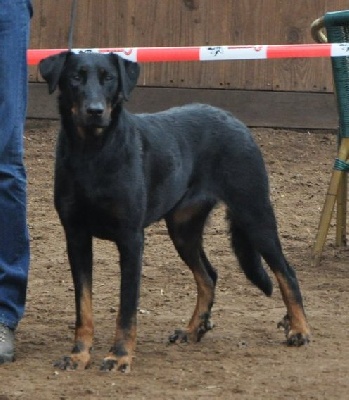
column 103, row 184
column 101, row 188
column 106, row 204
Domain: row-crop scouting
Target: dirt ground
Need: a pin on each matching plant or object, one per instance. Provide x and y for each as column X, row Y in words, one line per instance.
column 244, row 356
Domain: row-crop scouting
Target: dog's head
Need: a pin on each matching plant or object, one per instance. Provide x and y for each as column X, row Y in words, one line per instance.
column 91, row 85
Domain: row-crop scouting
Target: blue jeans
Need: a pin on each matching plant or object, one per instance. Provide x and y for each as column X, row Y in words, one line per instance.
column 14, row 238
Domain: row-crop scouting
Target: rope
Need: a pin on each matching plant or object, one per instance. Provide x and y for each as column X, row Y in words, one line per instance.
column 72, row 24
column 316, row 30
column 341, row 165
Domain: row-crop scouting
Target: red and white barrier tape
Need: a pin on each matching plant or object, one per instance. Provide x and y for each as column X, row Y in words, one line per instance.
column 209, row 53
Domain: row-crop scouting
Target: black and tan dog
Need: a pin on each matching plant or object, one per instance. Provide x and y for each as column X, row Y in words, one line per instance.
column 117, row 172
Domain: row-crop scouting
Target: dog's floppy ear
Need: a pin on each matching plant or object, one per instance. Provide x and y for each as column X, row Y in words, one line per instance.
column 129, row 73
column 51, row 68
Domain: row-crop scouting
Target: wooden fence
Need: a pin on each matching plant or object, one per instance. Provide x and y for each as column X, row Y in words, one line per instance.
column 103, row 23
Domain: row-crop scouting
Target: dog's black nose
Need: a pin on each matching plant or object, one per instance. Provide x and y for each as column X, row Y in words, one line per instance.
column 95, row 109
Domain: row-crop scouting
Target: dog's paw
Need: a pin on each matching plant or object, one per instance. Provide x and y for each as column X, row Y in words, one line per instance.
column 294, row 337
column 111, row 363
column 73, row 362
column 179, row 336
column 65, row 363
column 192, row 334
column 297, row 339
column 206, row 325
column 285, row 324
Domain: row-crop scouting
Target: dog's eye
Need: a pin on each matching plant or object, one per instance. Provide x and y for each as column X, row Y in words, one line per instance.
column 76, row 77
column 108, row 77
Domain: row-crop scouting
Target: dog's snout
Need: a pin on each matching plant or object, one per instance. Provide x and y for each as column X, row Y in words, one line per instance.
column 95, row 109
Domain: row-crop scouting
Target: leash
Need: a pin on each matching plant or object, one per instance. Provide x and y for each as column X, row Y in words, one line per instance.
column 72, row 24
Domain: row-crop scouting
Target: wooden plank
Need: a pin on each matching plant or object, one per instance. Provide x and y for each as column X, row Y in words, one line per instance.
column 299, row 74
column 255, row 108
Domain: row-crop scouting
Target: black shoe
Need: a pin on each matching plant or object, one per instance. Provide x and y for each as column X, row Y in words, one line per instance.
column 7, row 344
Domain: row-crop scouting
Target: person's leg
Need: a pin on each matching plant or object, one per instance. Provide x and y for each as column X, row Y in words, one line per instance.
column 14, row 240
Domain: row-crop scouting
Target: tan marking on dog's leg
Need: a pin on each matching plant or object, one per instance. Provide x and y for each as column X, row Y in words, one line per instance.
column 185, row 214
column 200, row 320
column 121, row 353
column 295, row 312
column 84, row 333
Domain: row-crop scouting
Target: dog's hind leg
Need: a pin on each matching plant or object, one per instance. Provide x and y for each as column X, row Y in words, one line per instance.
column 260, row 231
column 186, row 227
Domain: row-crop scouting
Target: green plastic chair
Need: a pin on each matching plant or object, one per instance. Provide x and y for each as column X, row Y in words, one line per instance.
column 336, row 25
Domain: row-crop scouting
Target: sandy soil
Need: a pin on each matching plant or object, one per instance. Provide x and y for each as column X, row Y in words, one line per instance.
column 245, row 356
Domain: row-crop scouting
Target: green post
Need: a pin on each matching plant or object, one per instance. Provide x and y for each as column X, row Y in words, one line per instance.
column 337, row 29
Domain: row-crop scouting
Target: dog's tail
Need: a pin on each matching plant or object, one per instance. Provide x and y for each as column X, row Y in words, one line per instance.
column 249, row 258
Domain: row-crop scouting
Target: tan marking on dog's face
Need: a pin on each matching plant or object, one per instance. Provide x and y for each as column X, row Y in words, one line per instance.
column 75, row 109
column 98, row 131
column 109, row 109
column 81, row 132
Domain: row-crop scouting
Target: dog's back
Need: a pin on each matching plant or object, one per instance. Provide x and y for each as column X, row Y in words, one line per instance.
column 200, row 150
column 199, row 127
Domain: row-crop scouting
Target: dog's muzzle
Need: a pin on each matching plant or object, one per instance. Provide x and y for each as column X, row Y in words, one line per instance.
column 95, row 109
column 94, row 114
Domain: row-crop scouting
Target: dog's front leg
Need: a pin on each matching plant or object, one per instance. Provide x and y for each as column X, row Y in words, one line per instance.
column 121, row 353
column 79, row 247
